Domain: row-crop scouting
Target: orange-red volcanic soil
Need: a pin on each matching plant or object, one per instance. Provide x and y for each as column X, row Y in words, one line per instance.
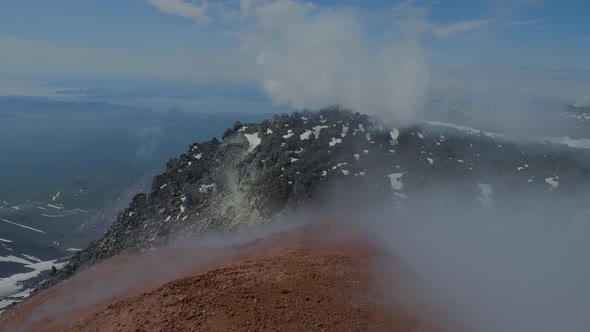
column 285, row 283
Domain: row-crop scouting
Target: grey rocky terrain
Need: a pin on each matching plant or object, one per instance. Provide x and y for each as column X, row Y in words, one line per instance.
column 261, row 171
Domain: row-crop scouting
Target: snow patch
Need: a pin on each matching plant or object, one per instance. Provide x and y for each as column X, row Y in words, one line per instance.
column 289, row 134
column 12, row 285
column 23, row 226
column 306, row 135
column 396, row 182
column 552, row 181
column 335, row 141
column 468, row 130
column 253, row 141
column 344, row 131
column 55, row 207
column 394, row 134
column 317, row 130
column 51, row 216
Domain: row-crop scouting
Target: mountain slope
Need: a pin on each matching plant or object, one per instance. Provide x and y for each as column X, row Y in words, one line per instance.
column 68, row 168
column 291, row 290
column 265, row 170
column 308, row 278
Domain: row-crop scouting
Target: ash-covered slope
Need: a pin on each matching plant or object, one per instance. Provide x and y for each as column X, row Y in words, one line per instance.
column 261, row 171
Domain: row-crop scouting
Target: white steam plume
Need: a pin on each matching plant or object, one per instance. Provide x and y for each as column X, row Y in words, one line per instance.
column 517, row 269
column 192, row 10
column 312, row 57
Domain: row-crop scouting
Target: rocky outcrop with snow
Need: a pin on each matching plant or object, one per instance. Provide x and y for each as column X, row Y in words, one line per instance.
column 261, row 171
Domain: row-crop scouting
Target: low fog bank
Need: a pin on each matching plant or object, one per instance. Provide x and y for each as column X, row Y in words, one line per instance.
column 518, row 265
column 521, row 268
column 445, row 259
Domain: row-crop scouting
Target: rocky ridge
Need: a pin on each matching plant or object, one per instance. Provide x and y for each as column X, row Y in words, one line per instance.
column 259, row 172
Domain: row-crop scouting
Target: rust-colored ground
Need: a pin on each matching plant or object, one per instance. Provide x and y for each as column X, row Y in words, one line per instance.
column 288, row 282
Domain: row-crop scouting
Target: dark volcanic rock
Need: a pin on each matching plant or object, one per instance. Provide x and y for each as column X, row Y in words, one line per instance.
column 260, row 171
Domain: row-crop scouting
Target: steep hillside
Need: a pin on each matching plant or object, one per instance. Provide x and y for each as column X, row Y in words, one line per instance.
column 68, row 169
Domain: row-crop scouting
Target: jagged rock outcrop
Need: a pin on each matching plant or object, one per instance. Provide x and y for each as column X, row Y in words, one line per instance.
column 260, row 171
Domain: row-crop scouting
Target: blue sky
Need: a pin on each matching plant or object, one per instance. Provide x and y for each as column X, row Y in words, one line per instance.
column 52, row 45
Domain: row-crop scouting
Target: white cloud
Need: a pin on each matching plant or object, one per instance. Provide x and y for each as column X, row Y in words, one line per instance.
column 458, row 27
column 312, row 57
column 448, row 30
column 308, row 57
column 194, row 10
column 20, row 88
column 520, row 23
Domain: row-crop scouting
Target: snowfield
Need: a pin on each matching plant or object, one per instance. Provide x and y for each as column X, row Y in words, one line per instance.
column 12, row 286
